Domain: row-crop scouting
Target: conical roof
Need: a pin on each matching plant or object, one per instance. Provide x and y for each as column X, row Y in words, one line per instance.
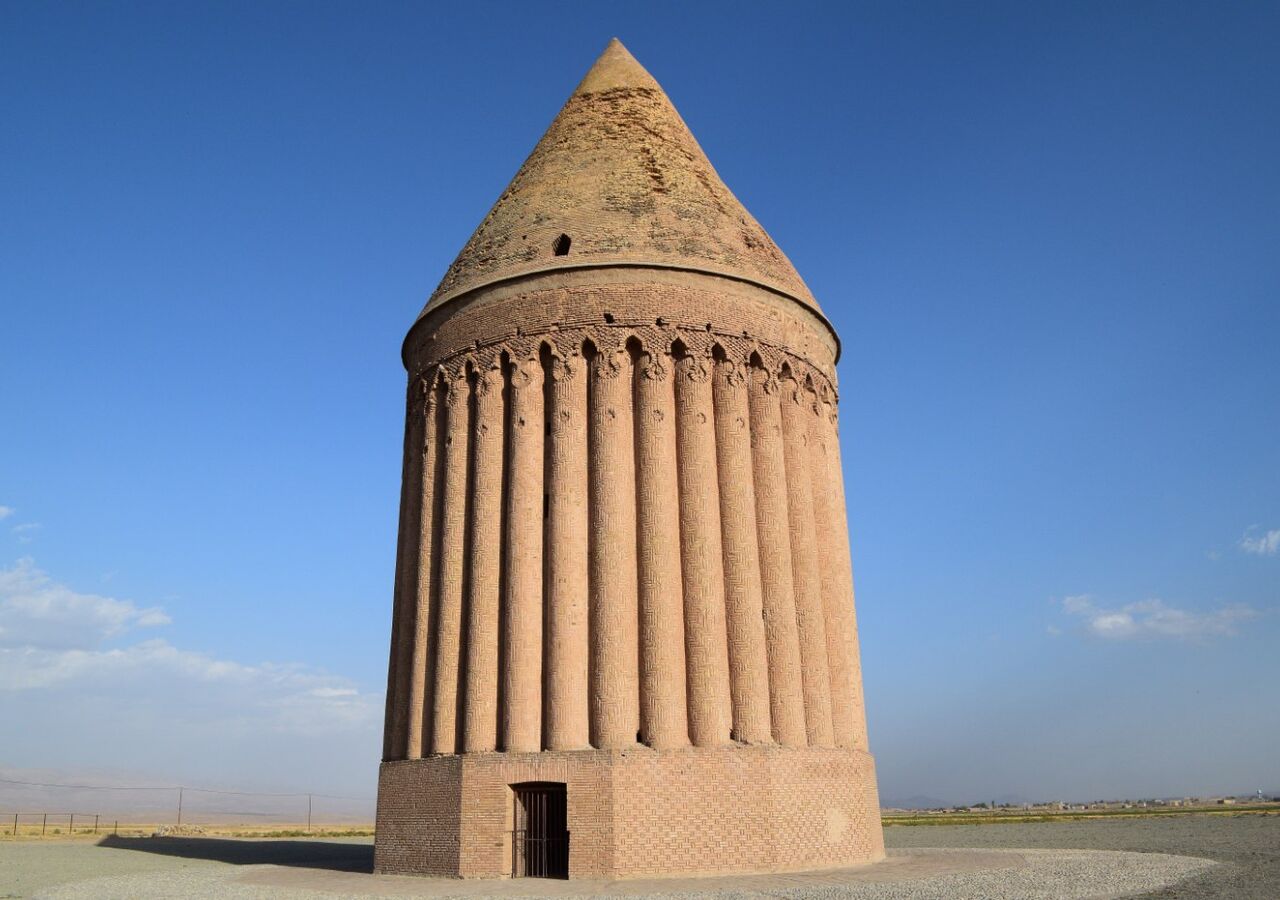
column 619, row 174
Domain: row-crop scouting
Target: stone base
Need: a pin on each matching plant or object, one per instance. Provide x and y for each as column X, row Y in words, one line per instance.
column 636, row 812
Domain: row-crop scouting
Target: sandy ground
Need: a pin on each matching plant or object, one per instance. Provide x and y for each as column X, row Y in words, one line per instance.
column 1048, row 860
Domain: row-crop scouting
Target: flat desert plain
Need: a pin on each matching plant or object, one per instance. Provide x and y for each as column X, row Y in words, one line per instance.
column 1245, row 850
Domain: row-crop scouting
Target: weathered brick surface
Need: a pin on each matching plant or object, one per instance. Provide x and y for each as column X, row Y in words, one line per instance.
column 636, row 812
column 705, row 641
column 744, row 613
column 449, row 585
column 663, row 717
column 419, row 816
column 777, row 581
column 522, row 545
column 628, row 183
column 660, row 304
column 566, row 576
column 614, row 664
column 479, row 700
column 623, row 561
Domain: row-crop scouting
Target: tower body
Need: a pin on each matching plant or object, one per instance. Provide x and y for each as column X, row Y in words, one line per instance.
column 624, row 639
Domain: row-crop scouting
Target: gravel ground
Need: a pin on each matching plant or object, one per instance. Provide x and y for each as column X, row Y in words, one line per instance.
column 30, row 867
column 1163, row 858
column 1248, row 845
column 27, row 866
column 1040, row 875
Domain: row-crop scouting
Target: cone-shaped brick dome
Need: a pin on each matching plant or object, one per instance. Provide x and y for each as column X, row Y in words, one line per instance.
column 620, row 174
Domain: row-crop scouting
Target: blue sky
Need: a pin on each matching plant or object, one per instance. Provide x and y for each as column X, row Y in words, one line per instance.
column 1048, row 234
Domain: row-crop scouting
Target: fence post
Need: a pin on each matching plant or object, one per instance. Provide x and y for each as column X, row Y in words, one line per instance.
column 308, row 812
column 44, row 823
column 115, row 832
column 71, row 826
column 179, row 806
column 15, row 825
column 95, row 823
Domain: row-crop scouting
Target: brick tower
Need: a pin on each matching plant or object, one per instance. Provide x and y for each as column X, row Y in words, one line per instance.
column 624, row 638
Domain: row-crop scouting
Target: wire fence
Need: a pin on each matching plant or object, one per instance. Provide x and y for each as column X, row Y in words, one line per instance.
column 38, row 822
column 167, row 805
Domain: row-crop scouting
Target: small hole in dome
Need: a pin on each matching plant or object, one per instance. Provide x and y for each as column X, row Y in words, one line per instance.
column 561, row 246
column 608, row 318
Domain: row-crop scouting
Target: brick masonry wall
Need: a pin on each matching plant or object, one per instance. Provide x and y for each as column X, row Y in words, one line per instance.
column 673, row 403
column 637, row 812
column 679, row 303
column 419, row 817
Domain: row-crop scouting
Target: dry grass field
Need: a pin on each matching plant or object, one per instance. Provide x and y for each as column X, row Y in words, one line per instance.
column 1018, row 816
column 62, row 830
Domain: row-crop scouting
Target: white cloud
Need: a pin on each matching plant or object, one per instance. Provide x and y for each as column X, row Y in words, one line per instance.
column 62, row 643
column 1154, row 619
column 25, row 531
column 1261, row 543
column 36, row 611
column 6, row 511
column 182, row 685
column 84, row 681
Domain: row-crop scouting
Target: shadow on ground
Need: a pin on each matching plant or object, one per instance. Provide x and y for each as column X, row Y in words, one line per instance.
column 337, row 856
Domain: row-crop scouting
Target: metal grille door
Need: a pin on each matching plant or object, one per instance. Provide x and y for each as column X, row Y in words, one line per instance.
column 540, row 841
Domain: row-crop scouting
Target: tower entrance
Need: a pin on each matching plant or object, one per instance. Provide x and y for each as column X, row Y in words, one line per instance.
column 540, row 839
